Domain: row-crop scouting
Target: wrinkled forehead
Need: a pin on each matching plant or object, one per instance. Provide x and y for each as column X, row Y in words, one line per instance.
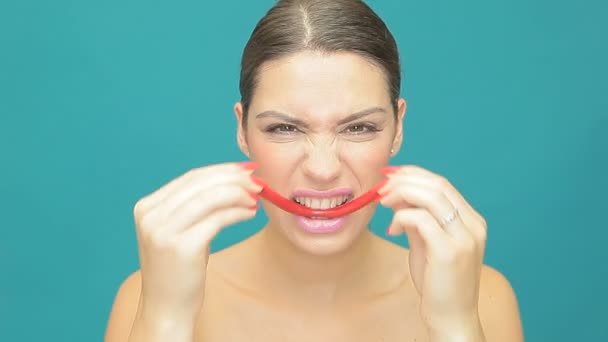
column 324, row 85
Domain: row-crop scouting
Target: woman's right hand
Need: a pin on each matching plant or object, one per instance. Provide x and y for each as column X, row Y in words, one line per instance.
column 175, row 227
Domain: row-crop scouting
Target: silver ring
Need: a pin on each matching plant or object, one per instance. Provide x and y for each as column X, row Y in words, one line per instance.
column 449, row 218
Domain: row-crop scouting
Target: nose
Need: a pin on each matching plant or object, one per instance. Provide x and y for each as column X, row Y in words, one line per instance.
column 322, row 164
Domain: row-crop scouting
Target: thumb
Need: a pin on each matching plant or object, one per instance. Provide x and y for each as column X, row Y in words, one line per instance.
column 402, row 223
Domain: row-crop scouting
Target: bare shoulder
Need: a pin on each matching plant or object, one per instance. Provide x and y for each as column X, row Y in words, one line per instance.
column 229, row 269
column 124, row 308
column 498, row 307
column 126, row 301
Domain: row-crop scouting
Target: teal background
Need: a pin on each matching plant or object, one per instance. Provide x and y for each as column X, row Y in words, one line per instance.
column 103, row 102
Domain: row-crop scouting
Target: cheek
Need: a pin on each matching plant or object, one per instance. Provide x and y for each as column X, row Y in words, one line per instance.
column 366, row 155
column 272, row 158
column 365, row 160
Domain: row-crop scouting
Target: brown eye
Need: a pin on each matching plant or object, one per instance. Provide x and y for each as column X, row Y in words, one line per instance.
column 358, row 128
column 361, row 128
column 282, row 129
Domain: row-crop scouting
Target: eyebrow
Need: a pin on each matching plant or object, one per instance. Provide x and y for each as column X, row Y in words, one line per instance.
column 290, row 119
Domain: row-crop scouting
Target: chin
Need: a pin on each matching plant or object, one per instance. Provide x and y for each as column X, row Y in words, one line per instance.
column 323, row 237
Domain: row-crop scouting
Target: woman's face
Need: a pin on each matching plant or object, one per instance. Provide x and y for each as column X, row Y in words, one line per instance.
column 320, row 128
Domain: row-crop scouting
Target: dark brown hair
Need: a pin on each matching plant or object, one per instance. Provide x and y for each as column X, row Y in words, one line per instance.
column 324, row 26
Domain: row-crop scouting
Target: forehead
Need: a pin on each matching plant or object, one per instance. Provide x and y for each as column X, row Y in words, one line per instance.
column 311, row 82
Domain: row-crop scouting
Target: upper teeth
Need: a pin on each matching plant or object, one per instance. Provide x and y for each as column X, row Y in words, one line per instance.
column 322, row 203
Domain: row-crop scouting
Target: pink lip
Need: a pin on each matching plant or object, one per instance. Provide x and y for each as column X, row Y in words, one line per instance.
column 322, row 194
column 316, row 226
column 300, row 210
column 323, row 226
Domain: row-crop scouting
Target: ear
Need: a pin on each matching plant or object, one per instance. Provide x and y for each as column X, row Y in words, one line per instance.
column 398, row 140
column 241, row 136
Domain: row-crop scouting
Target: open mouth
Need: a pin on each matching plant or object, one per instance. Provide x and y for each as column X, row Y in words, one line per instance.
column 322, row 203
column 302, row 204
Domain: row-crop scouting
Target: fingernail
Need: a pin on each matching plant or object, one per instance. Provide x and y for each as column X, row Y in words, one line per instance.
column 254, row 207
column 248, row 165
column 388, row 231
column 258, row 181
column 381, row 188
column 254, row 196
column 389, row 169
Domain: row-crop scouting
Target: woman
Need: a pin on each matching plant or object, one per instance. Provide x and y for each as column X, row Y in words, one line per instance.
column 320, row 117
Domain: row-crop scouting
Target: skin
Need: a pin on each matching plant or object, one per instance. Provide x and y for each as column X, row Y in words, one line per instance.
column 283, row 284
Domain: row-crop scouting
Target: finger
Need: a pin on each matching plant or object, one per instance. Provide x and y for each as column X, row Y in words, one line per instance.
column 419, row 222
column 402, row 191
column 151, row 201
column 435, row 180
column 396, row 228
column 471, row 218
column 207, row 184
column 200, row 235
column 205, row 203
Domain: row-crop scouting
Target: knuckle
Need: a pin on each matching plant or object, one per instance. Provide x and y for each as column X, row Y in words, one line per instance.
column 198, row 171
column 482, row 236
column 191, row 172
column 480, row 230
column 144, row 223
column 467, row 246
column 150, row 221
column 138, row 207
column 442, row 181
column 483, row 222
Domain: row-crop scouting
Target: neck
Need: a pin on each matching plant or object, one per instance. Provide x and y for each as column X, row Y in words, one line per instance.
column 293, row 274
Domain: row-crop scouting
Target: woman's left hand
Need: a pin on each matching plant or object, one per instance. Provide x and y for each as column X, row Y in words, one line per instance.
column 447, row 242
